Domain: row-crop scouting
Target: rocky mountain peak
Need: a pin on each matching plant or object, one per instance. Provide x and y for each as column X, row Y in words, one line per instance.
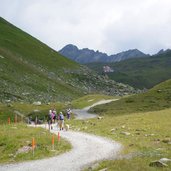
column 162, row 51
column 86, row 55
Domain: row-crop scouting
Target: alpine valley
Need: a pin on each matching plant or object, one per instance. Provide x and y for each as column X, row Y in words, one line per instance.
column 30, row 70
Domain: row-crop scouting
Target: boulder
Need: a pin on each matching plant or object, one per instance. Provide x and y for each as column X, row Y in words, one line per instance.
column 165, row 160
column 85, row 128
column 113, row 129
column 8, row 101
column 105, row 169
column 93, row 167
column 157, row 164
column 24, row 149
column 9, row 105
column 125, row 133
column 166, row 140
column 38, row 103
column 100, row 118
column 123, row 126
column 36, row 111
column 148, row 135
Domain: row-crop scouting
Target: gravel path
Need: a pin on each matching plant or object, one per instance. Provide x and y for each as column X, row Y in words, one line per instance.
column 83, row 113
column 86, row 150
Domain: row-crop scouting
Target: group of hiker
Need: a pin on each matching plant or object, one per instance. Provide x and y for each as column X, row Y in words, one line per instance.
column 53, row 117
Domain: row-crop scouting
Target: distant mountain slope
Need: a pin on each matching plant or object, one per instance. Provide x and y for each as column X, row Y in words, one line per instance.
column 30, row 70
column 139, row 73
column 87, row 56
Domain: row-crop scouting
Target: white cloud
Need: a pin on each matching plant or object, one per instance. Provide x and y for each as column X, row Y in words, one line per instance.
column 107, row 25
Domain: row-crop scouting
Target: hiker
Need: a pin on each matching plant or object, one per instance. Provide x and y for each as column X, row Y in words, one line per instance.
column 61, row 121
column 57, row 120
column 68, row 113
column 50, row 119
column 53, row 115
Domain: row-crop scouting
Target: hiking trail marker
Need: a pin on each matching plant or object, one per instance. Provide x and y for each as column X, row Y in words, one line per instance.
column 58, row 136
column 33, row 145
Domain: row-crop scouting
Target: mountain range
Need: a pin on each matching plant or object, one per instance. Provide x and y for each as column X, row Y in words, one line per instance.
column 86, row 55
column 140, row 72
column 32, row 71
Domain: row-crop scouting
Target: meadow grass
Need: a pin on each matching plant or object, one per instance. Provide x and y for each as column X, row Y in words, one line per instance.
column 145, row 143
column 15, row 136
column 157, row 98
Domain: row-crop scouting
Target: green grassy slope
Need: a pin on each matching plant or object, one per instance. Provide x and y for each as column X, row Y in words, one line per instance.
column 139, row 73
column 29, row 67
column 30, row 70
column 157, row 98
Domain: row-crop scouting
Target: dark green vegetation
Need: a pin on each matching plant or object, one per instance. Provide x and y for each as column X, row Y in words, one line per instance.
column 157, row 98
column 140, row 72
column 31, row 71
column 17, row 137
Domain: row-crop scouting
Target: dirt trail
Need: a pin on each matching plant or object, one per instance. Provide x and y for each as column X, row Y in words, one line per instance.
column 84, row 114
column 86, row 150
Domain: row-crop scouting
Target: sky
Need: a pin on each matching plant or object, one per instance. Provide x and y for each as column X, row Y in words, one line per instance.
column 110, row 26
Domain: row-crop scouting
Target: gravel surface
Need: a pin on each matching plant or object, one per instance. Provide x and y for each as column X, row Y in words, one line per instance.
column 86, row 150
column 83, row 113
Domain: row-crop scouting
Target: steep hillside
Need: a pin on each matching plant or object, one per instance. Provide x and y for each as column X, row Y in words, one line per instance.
column 86, row 55
column 157, row 98
column 139, row 73
column 30, row 70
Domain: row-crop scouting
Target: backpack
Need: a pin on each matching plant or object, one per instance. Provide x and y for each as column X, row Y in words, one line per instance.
column 61, row 117
column 52, row 115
